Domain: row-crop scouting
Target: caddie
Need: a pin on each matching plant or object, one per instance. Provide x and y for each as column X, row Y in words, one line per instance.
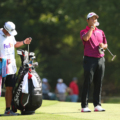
column 7, row 50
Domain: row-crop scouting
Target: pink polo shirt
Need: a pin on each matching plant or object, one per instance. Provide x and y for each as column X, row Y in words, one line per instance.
column 92, row 45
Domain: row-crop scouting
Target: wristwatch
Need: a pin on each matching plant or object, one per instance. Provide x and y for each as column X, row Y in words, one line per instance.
column 93, row 27
column 23, row 42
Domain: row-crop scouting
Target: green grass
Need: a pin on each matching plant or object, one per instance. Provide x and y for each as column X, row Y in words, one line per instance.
column 54, row 110
column 112, row 100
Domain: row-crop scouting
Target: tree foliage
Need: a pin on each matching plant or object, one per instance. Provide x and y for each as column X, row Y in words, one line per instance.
column 55, row 25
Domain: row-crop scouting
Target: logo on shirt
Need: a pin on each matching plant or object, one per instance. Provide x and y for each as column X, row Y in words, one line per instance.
column 98, row 31
column 8, row 46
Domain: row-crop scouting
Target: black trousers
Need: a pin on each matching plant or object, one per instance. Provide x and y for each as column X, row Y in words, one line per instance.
column 94, row 69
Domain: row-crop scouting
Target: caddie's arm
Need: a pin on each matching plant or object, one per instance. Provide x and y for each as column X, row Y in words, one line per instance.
column 21, row 43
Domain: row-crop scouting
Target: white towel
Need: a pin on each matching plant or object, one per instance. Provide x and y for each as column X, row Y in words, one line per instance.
column 25, row 83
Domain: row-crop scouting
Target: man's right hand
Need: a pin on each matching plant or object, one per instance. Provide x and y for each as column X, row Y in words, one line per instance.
column 93, row 26
column 87, row 36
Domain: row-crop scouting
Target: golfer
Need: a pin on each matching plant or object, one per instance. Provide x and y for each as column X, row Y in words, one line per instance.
column 7, row 50
column 94, row 42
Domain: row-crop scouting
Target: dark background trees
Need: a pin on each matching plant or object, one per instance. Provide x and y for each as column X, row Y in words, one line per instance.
column 54, row 26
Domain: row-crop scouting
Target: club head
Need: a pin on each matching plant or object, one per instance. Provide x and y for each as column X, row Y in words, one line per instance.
column 35, row 64
column 113, row 57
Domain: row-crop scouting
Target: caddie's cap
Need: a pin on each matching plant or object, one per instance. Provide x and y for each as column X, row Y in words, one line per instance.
column 10, row 27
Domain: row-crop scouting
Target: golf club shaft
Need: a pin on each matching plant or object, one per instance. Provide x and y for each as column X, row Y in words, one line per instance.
column 28, row 48
column 28, row 52
column 110, row 52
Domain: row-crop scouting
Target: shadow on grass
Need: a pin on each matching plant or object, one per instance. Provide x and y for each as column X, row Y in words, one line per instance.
column 63, row 112
column 2, row 115
column 58, row 113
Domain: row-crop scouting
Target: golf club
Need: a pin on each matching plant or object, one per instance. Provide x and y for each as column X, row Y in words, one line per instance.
column 111, row 54
column 28, row 48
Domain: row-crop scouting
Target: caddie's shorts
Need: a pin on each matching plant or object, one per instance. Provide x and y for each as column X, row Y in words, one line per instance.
column 10, row 80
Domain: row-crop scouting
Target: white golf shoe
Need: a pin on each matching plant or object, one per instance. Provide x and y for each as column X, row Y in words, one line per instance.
column 98, row 108
column 86, row 109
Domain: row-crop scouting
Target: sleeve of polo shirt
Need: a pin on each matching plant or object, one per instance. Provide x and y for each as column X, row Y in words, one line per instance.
column 14, row 41
column 82, row 33
column 104, row 38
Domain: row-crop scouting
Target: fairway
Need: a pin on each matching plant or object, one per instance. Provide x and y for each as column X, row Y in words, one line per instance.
column 55, row 110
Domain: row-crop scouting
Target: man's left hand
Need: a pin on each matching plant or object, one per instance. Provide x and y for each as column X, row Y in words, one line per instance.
column 27, row 40
column 104, row 46
column 101, row 45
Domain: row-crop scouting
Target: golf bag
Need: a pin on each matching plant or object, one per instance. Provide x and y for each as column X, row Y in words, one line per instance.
column 27, row 94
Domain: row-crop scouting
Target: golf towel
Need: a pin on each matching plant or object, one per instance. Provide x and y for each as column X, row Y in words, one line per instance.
column 25, row 82
column 4, row 71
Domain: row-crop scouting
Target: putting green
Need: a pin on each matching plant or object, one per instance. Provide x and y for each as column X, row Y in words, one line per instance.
column 55, row 110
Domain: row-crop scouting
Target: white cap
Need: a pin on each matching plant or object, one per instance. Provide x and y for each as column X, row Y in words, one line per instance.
column 60, row 80
column 92, row 14
column 44, row 80
column 10, row 27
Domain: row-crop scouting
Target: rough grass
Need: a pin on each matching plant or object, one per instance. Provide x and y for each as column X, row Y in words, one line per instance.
column 54, row 110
